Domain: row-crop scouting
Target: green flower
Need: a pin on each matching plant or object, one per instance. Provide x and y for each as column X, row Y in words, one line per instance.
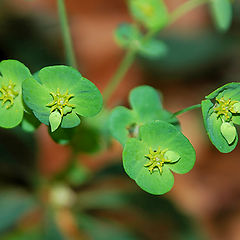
column 149, row 160
column 13, row 73
column 221, row 110
column 146, row 106
column 59, row 95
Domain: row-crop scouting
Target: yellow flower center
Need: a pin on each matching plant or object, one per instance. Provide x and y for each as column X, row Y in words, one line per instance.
column 156, row 159
column 225, row 108
column 60, row 101
column 8, row 94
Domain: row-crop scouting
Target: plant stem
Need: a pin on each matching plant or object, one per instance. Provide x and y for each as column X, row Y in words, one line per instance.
column 70, row 56
column 185, row 8
column 186, row 109
column 131, row 53
column 122, row 69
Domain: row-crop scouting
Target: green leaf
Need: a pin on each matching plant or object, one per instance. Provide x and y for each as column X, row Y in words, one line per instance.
column 55, row 119
column 173, row 156
column 15, row 71
column 153, row 48
column 236, row 107
column 36, row 96
column 213, row 127
column 222, row 13
column 230, row 90
column 127, row 35
column 146, row 101
column 62, row 77
column 121, row 120
column 13, row 116
column 157, row 135
column 70, row 120
column 147, row 106
column 88, row 99
column 229, row 132
column 153, row 14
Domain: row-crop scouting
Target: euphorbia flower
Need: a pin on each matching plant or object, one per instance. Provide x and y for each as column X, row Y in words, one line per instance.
column 221, row 110
column 13, row 73
column 160, row 149
column 59, row 95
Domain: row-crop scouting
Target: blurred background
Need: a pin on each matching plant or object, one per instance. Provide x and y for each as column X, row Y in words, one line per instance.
column 43, row 195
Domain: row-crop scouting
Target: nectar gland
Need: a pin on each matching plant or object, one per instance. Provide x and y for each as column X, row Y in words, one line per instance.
column 225, row 107
column 8, row 94
column 60, row 101
column 156, row 159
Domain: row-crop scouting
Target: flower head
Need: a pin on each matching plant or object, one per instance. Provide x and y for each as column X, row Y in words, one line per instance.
column 160, row 149
column 221, row 111
column 59, row 95
column 13, row 73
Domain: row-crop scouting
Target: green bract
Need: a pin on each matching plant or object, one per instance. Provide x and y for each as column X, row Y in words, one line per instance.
column 222, row 13
column 153, row 14
column 146, row 107
column 220, row 113
column 161, row 148
column 13, row 73
column 129, row 37
column 59, row 95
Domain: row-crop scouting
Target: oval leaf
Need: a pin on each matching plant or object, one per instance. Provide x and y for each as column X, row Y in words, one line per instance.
column 55, row 119
column 229, row 132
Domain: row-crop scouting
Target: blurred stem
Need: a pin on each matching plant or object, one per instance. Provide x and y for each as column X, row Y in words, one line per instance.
column 186, row 110
column 122, row 69
column 131, row 53
column 185, row 8
column 70, row 56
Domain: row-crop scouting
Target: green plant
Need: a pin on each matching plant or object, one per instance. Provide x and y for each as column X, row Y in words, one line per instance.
column 153, row 144
column 58, row 95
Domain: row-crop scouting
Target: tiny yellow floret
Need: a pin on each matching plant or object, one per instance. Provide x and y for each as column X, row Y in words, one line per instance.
column 225, row 108
column 60, row 101
column 156, row 159
column 8, row 94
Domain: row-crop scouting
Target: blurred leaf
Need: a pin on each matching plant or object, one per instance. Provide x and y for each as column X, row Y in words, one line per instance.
column 189, row 54
column 153, row 48
column 13, row 205
column 126, row 35
column 99, row 229
column 33, row 234
column 29, row 122
column 102, row 198
column 153, row 14
column 222, row 13
column 51, row 229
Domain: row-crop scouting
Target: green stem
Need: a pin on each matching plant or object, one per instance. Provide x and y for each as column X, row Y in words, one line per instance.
column 186, row 109
column 185, row 8
column 70, row 56
column 131, row 53
column 116, row 79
